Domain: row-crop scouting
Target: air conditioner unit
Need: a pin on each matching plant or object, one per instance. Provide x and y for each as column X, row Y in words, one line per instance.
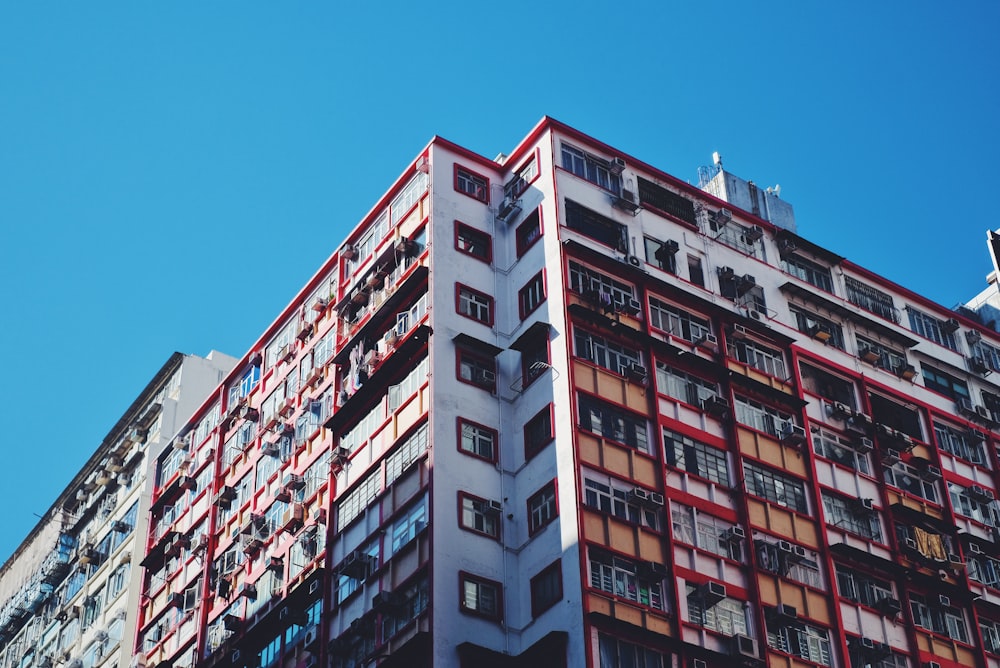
column 740, row 332
column 699, row 663
column 743, row 645
column 494, row 507
column 931, row 664
column 784, row 546
column 486, row 377
column 955, row 562
column 950, row 325
column 639, row 495
column 726, row 272
column 655, row 499
column 800, row 552
column 931, row 473
column 733, row 534
column 979, row 493
column 975, row 549
column 979, row 365
column 909, row 544
column 819, row 332
column 863, row 505
column 889, row 606
column 793, row 434
column 709, row 593
column 310, row 636
column 616, row 166
column 745, row 284
column 294, row 481
column 387, row 600
column 510, row 207
column 707, row 342
column 839, row 410
column 632, row 305
column 715, row 406
column 667, row 250
column 864, row 445
column 721, row 218
column 634, row 372
column 890, row 456
column 753, row 234
column 870, row 355
column 973, row 336
column 783, row 613
column 944, row 601
column 983, row 413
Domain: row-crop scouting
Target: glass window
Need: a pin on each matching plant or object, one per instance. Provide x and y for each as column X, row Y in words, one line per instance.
column 626, row 579
column 808, row 271
column 472, row 184
column 687, row 454
column 705, row 531
column 474, row 304
column 613, row 422
column 546, row 588
column 528, row 232
column 599, row 228
column 542, row 507
column 538, row 432
column 531, row 295
column 480, row 516
column 604, row 352
column 475, row 439
column 929, row 327
column 473, row 242
column 851, row 515
column 775, row 487
column 481, row 597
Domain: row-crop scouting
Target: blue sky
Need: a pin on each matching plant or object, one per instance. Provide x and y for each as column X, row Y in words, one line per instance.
column 171, row 173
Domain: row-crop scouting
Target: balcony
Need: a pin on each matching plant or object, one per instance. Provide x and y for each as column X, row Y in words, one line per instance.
column 360, row 307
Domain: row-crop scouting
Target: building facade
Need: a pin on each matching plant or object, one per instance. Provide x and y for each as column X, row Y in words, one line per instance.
column 70, row 591
column 563, row 409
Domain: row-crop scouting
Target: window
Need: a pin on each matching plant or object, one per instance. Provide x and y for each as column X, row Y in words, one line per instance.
column 480, row 515
column 802, row 640
column 706, row 532
column 863, row 588
column 472, row 184
column 599, row 228
column 908, row 479
column 677, row 322
column 851, row 515
column 620, row 499
column 830, row 387
column 481, row 597
column 985, row 571
column 931, row 613
column 531, row 295
column 584, row 280
column 538, row 432
column 474, row 304
column 473, row 242
column 534, row 360
column 762, row 417
column 775, row 487
column 542, row 508
column 528, row 232
column 522, row 179
column 546, row 588
column 991, row 635
column 744, row 239
column 840, row 451
column 603, row 352
column 683, row 386
column 615, row 653
column 476, row 370
column 808, row 271
column 871, row 299
column 819, row 328
column 613, row 422
column 589, row 167
column 662, row 254
column 976, row 503
column 990, row 355
column 667, row 201
column 743, row 290
column 880, row 355
column 407, row 526
column 695, row 272
column 931, row 328
column 888, row 412
column 944, row 383
column 626, row 579
column 963, row 444
column 727, row 616
column 754, row 354
column 789, row 561
column 477, row 440
column 687, row 454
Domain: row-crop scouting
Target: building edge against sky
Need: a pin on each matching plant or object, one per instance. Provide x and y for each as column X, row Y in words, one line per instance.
column 563, row 408
column 72, row 586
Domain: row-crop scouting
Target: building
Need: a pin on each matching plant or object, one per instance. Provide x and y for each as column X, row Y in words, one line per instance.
column 563, row 409
column 69, row 593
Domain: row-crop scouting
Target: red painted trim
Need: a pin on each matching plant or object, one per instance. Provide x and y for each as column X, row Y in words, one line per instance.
column 462, row 495
column 482, row 193
column 552, row 484
column 460, row 227
column 459, row 421
column 463, row 353
column 465, row 576
column 461, row 287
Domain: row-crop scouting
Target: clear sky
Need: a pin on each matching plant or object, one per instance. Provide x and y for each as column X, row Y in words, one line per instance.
column 171, row 173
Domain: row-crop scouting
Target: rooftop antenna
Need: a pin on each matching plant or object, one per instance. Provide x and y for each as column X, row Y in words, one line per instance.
column 717, row 160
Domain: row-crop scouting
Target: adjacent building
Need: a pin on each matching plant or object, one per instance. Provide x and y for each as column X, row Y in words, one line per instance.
column 69, row 593
column 560, row 408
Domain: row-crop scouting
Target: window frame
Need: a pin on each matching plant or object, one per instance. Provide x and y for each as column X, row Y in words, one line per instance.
column 465, row 578
column 471, row 294
column 461, row 422
column 485, row 237
column 475, row 361
column 520, row 245
column 463, row 174
column 535, row 287
column 552, row 571
column 533, row 446
column 548, row 507
column 464, row 496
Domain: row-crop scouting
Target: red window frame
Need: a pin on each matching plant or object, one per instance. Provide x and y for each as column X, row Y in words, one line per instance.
column 459, row 227
column 464, row 353
column 459, row 287
column 460, row 422
column 522, row 307
column 463, row 578
column 483, row 190
column 540, row 606
column 462, row 496
column 548, row 487
column 521, row 245
column 532, row 449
